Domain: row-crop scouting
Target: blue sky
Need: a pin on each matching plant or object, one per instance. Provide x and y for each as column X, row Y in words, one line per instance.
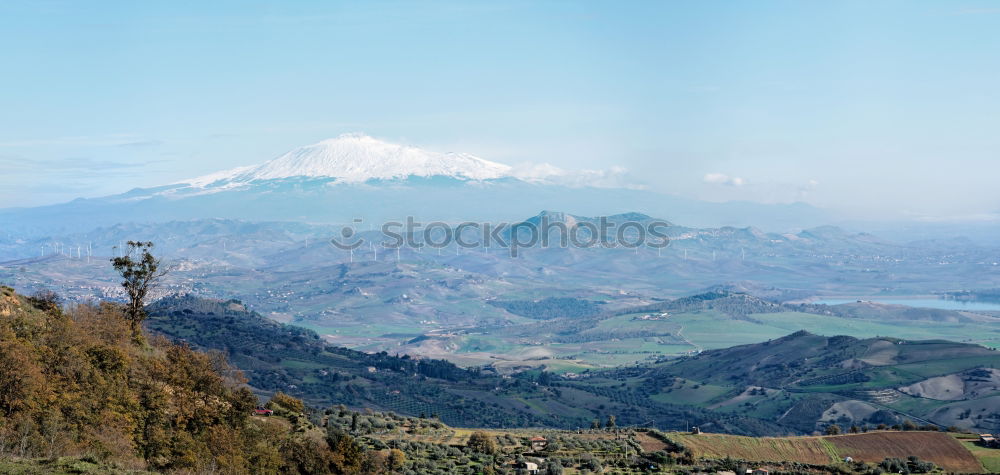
column 865, row 107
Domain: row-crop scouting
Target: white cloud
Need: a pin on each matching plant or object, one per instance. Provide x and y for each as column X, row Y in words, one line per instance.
column 803, row 190
column 614, row 177
column 723, row 179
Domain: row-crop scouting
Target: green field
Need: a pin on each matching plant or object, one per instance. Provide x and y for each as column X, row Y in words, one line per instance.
column 714, row 330
column 990, row 458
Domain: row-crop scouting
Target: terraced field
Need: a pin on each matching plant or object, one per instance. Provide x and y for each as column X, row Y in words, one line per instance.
column 763, row 449
column 938, row 447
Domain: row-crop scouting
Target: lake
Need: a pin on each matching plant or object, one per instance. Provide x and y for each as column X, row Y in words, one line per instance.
column 927, row 303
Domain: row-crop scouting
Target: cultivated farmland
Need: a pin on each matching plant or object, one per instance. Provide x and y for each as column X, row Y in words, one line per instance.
column 938, row 447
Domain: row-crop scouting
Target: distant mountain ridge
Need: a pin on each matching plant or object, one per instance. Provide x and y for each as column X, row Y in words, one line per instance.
column 223, row 252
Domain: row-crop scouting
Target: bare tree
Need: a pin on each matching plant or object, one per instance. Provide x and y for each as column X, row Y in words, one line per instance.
column 141, row 273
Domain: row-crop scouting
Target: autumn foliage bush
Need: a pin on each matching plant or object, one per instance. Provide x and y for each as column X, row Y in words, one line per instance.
column 74, row 382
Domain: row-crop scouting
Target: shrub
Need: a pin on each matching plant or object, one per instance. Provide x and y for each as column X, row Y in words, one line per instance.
column 286, row 402
column 481, row 442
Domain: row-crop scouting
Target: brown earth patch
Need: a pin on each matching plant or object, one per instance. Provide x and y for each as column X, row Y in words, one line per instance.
column 937, row 447
column 649, row 443
column 760, row 449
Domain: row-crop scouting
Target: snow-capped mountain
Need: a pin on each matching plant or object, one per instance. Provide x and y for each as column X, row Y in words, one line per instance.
column 355, row 158
column 356, row 176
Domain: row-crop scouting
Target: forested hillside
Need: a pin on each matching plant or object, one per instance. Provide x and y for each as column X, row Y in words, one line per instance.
column 278, row 357
column 78, row 393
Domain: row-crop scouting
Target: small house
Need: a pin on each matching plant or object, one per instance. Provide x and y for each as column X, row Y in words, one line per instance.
column 539, row 444
column 530, row 467
column 988, row 440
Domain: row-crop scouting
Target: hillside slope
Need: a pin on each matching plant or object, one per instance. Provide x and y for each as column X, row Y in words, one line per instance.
column 282, row 357
column 810, row 381
column 79, row 394
column 940, row 448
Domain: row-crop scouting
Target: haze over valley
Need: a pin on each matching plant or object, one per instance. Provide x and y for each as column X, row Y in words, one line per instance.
column 456, row 237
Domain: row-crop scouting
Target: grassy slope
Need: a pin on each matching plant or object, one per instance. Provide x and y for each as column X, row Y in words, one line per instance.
column 800, row 449
column 990, row 458
column 806, row 373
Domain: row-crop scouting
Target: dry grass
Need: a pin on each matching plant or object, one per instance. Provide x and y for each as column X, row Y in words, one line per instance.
column 763, row 449
column 649, row 443
column 937, row 447
column 873, row 447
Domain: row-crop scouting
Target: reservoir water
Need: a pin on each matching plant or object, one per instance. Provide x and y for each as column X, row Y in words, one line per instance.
column 927, row 303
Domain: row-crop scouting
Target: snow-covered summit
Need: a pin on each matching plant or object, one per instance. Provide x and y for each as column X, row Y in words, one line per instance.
column 357, row 158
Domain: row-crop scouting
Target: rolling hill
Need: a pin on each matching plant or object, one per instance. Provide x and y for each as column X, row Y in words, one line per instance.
column 795, row 384
column 809, row 382
column 278, row 357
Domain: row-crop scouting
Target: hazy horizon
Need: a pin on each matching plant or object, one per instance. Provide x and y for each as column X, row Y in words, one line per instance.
column 864, row 109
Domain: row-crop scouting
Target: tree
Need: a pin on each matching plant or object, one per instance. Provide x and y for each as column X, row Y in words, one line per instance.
column 855, row 429
column 396, row 460
column 46, row 300
column 832, row 429
column 595, row 424
column 481, row 442
column 286, row 402
column 611, row 422
column 593, row 464
column 141, row 273
column 348, row 455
